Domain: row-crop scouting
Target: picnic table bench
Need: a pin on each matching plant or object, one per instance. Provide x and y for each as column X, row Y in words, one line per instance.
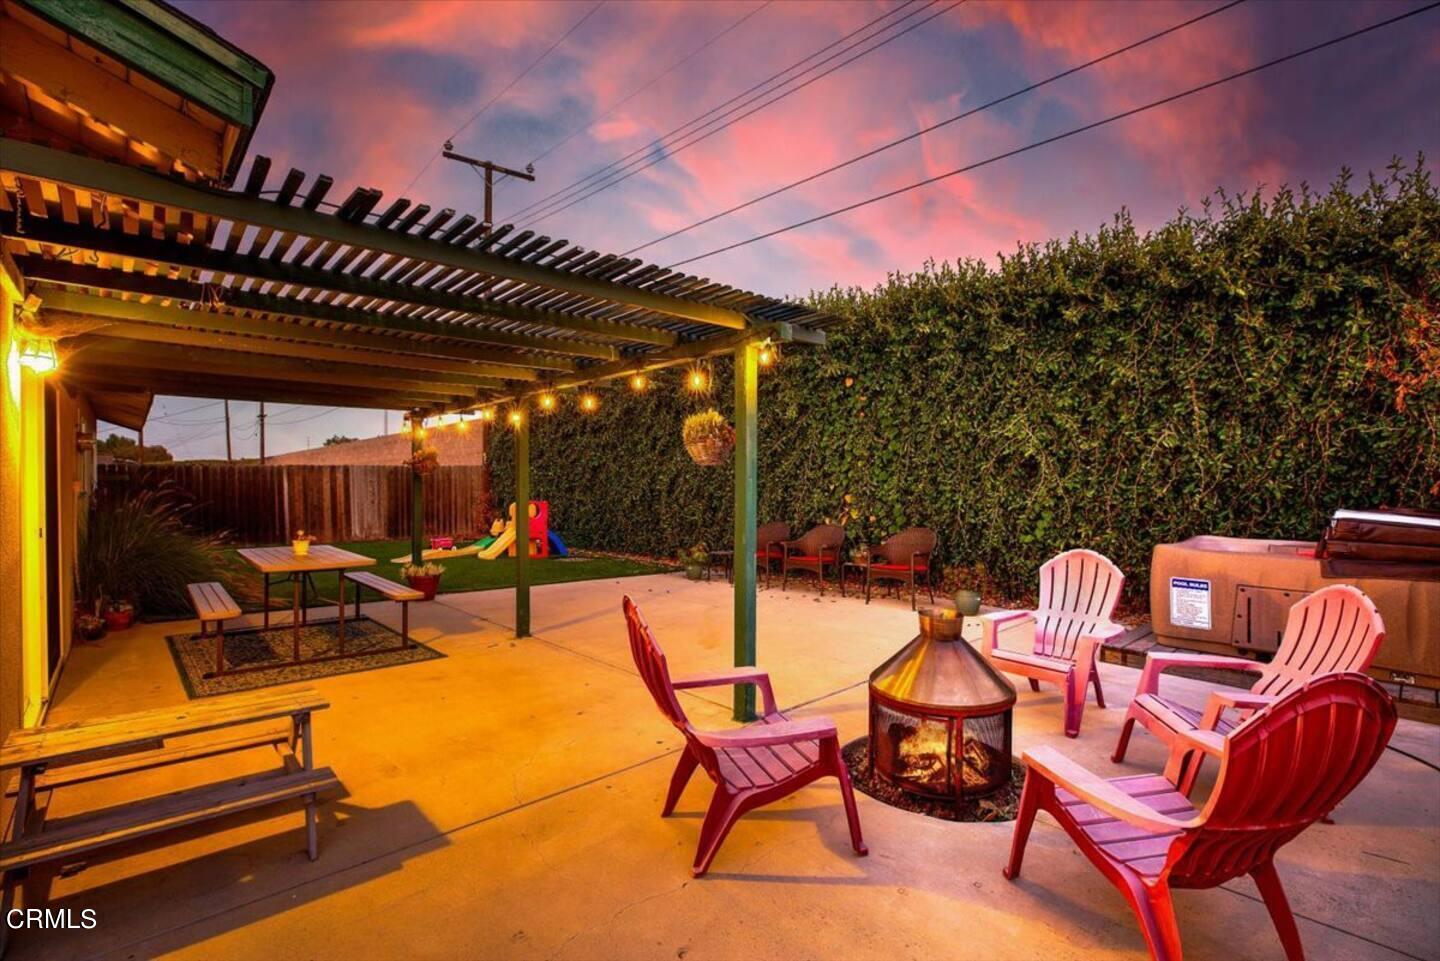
column 57, row 756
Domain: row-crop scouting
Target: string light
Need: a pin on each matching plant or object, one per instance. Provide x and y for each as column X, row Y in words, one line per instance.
column 697, row 380
column 589, row 403
column 638, row 383
column 487, row 414
column 516, row 418
column 547, row 401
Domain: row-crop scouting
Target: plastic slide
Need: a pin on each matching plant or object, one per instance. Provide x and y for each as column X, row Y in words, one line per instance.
column 557, row 546
column 499, row 545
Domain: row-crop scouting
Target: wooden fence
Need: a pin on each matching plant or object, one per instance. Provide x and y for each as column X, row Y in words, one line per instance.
column 266, row 505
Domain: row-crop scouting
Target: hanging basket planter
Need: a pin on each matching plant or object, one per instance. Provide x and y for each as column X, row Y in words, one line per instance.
column 425, row 461
column 709, row 439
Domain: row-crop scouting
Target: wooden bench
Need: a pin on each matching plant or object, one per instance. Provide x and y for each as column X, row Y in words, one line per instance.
column 400, row 593
column 57, row 756
column 213, row 605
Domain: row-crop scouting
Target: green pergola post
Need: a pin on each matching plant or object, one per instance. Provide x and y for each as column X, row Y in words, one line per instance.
column 417, row 494
column 522, row 525
column 747, row 377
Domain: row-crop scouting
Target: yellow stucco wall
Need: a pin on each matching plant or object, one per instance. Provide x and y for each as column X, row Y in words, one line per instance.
column 25, row 669
column 11, row 699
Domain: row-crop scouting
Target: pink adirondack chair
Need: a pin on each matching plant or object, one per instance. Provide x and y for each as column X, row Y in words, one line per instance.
column 1334, row 630
column 751, row 767
column 1281, row 770
column 1078, row 591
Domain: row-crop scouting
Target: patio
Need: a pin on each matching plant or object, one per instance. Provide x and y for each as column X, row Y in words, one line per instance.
column 503, row 802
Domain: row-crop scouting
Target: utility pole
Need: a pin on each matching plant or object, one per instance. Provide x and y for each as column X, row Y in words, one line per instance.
column 262, row 433
column 229, row 454
column 490, row 169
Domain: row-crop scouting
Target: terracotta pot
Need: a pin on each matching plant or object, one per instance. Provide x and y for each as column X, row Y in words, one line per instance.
column 119, row 620
column 91, row 631
column 427, row 585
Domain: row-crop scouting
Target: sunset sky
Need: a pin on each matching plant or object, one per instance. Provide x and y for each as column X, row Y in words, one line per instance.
column 368, row 91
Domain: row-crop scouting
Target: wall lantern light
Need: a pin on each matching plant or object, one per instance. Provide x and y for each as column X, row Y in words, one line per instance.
column 37, row 354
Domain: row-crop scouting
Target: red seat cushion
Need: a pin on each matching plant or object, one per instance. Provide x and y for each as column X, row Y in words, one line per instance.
column 894, row 567
column 811, row 558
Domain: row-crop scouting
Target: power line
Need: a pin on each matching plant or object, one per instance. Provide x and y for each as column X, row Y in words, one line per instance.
column 1060, row 136
column 602, row 171
column 933, row 127
column 651, row 82
column 667, row 154
column 516, row 79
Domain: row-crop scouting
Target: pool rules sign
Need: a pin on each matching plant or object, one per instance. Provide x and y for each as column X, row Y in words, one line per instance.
column 1190, row 603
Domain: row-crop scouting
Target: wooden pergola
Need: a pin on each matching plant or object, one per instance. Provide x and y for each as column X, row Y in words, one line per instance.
column 154, row 284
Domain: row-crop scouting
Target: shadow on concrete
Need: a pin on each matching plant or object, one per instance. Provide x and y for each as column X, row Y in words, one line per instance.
column 181, row 903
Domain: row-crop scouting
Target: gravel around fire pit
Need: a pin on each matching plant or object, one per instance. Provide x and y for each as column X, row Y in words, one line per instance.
column 1000, row 806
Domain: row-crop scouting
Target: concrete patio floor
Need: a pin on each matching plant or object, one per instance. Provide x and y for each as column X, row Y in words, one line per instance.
column 502, row 802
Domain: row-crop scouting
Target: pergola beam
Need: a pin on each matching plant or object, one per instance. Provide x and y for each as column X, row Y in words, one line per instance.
column 192, row 360
column 190, row 291
column 134, row 334
column 134, row 320
column 87, row 173
column 683, row 353
column 64, row 284
column 277, row 392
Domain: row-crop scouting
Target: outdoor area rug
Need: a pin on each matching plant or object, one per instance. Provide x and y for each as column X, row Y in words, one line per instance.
column 195, row 655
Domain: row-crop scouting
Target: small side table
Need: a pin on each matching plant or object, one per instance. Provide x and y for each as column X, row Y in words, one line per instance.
column 862, row 568
column 725, row 559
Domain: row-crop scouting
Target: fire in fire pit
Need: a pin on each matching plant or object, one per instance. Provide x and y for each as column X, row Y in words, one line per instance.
column 940, row 715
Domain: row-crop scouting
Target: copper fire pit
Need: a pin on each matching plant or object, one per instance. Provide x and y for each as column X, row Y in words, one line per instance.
column 940, row 715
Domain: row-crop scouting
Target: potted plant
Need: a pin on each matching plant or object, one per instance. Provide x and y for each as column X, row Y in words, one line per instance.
column 694, row 559
column 425, row 578
column 89, row 627
column 119, row 615
column 967, row 602
column 300, row 543
column 426, row 460
column 709, row 438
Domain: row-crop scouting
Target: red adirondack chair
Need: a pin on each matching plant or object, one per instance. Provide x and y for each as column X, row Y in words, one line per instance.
column 751, row 767
column 1281, row 770
column 1333, row 630
column 1078, row 591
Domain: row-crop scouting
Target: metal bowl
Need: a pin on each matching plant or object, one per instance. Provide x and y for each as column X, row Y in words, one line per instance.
column 940, row 623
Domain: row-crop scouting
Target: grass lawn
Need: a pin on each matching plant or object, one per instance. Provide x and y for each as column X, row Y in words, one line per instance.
column 461, row 574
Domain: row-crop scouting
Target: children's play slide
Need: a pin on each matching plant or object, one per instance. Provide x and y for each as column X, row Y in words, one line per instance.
column 498, row 545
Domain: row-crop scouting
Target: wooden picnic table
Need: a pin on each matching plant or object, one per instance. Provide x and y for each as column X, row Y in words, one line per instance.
column 58, row 756
column 299, row 570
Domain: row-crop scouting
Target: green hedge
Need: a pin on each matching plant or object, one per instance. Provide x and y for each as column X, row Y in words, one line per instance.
column 1242, row 371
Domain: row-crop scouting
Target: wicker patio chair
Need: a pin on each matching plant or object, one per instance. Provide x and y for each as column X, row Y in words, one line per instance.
column 902, row 558
column 817, row 549
column 770, row 546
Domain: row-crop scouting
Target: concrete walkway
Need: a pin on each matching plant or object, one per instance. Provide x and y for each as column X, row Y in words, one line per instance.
column 503, row 802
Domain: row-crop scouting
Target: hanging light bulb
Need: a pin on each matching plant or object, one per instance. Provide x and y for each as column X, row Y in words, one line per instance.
column 37, row 354
column 638, row 383
column 462, row 425
column 768, row 354
column 589, row 403
column 516, row 418
column 697, row 380
column 487, row 414
column 547, row 401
